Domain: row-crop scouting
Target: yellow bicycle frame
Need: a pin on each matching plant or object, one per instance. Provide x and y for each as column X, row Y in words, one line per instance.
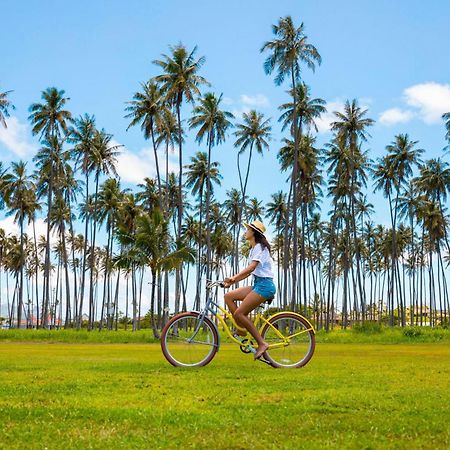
column 260, row 318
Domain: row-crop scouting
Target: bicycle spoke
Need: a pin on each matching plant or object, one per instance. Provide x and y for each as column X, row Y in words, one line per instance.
column 189, row 341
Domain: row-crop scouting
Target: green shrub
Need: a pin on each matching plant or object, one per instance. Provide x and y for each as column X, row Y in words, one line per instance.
column 412, row 332
column 368, row 327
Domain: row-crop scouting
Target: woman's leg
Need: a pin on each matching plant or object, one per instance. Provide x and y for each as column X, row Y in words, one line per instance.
column 236, row 294
column 250, row 302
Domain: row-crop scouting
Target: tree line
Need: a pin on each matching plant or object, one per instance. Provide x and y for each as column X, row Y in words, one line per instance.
column 335, row 268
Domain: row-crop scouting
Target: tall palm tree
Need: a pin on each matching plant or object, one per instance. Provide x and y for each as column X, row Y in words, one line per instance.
column 446, row 118
column 5, row 107
column 307, row 110
column 50, row 162
column 109, row 202
column 255, row 209
column 288, row 50
column 351, row 128
column 180, row 82
column 151, row 243
column 233, row 204
column 51, row 121
column 197, row 176
column 212, row 124
column 82, row 136
column 276, row 213
column 146, row 108
column 391, row 174
column 21, row 201
column 253, row 132
column 103, row 163
column 167, row 133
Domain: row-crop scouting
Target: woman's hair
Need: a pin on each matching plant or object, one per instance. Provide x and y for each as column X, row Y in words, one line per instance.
column 261, row 239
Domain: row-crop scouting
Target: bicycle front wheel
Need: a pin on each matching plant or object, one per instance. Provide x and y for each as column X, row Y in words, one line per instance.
column 185, row 342
column 291, row 339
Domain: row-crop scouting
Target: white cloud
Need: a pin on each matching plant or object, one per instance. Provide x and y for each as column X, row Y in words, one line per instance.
column 14, row 138
column 237, row 113
column 227, row 101
column 324, row 121
column 431, row 99
column 41, row 230
column 395, row 115
column 258, row 100
column 8, row 225
column 133, row 167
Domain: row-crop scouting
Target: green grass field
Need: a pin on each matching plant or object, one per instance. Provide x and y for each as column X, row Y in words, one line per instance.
column 60, row 395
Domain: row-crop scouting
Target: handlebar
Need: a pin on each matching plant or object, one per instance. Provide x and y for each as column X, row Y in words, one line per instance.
column 210, row 284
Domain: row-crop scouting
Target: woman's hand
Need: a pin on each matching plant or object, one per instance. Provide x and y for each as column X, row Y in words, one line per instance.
column 228, row 282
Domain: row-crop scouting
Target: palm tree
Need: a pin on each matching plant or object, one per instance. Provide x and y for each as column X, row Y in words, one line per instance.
column 255, row 209
column 103, row 162
column 5, row 107
column 109, row 202
column 168, row 133
column 146, row 109
column 59, row 218
column 288, row 50
column 434, row 182
column 446, row 117
column 213, row 124
column 50, row 161
column 21, row 200
column 49, row 119
column 307, row 110
column 351, row 129
column 233, row 204
column 151, row 244
column 82, row 136
column 253, row 132
column 392, row 173
column 276, row 213
column 180, row 81
column 197, row 176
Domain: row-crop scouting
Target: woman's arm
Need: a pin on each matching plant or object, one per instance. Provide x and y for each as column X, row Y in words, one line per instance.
column 244, row 273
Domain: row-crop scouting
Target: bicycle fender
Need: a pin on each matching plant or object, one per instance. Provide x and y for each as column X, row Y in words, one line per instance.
column 297, row 314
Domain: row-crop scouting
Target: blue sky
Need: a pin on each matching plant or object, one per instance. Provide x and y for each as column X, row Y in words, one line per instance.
column 392, row 56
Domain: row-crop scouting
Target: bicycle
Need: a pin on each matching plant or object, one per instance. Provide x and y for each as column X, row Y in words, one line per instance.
column 192, row 339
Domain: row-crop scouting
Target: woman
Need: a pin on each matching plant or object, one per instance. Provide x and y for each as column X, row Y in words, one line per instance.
column 263, row 289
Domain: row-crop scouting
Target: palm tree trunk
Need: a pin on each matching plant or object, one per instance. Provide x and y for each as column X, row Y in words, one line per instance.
column 83, row 268
column 46, row 296
column 22, row 263
column 92, row 255
column 66, row 270
column 294, row 201
column 152, row 306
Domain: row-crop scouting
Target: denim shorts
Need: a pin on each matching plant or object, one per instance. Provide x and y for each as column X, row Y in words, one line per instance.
column 264, row 286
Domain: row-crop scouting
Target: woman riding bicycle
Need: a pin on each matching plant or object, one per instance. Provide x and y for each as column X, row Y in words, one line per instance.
column 263, row 289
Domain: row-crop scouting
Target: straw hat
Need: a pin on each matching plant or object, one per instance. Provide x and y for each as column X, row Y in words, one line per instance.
column 256, row 225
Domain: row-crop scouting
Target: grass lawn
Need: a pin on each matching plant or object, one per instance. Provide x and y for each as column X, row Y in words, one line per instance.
column 94, row 395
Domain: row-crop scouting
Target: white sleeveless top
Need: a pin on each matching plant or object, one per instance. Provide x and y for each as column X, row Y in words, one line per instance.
column 265, row 266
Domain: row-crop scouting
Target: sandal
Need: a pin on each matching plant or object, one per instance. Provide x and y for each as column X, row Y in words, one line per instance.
column 261, row 351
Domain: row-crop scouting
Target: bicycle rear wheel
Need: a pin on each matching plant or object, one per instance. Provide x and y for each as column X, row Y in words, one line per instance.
column 292, row 339
column 187, row 343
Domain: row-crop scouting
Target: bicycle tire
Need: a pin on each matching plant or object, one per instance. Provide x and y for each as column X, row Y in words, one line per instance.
column 276, row 361
column 166, row 347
